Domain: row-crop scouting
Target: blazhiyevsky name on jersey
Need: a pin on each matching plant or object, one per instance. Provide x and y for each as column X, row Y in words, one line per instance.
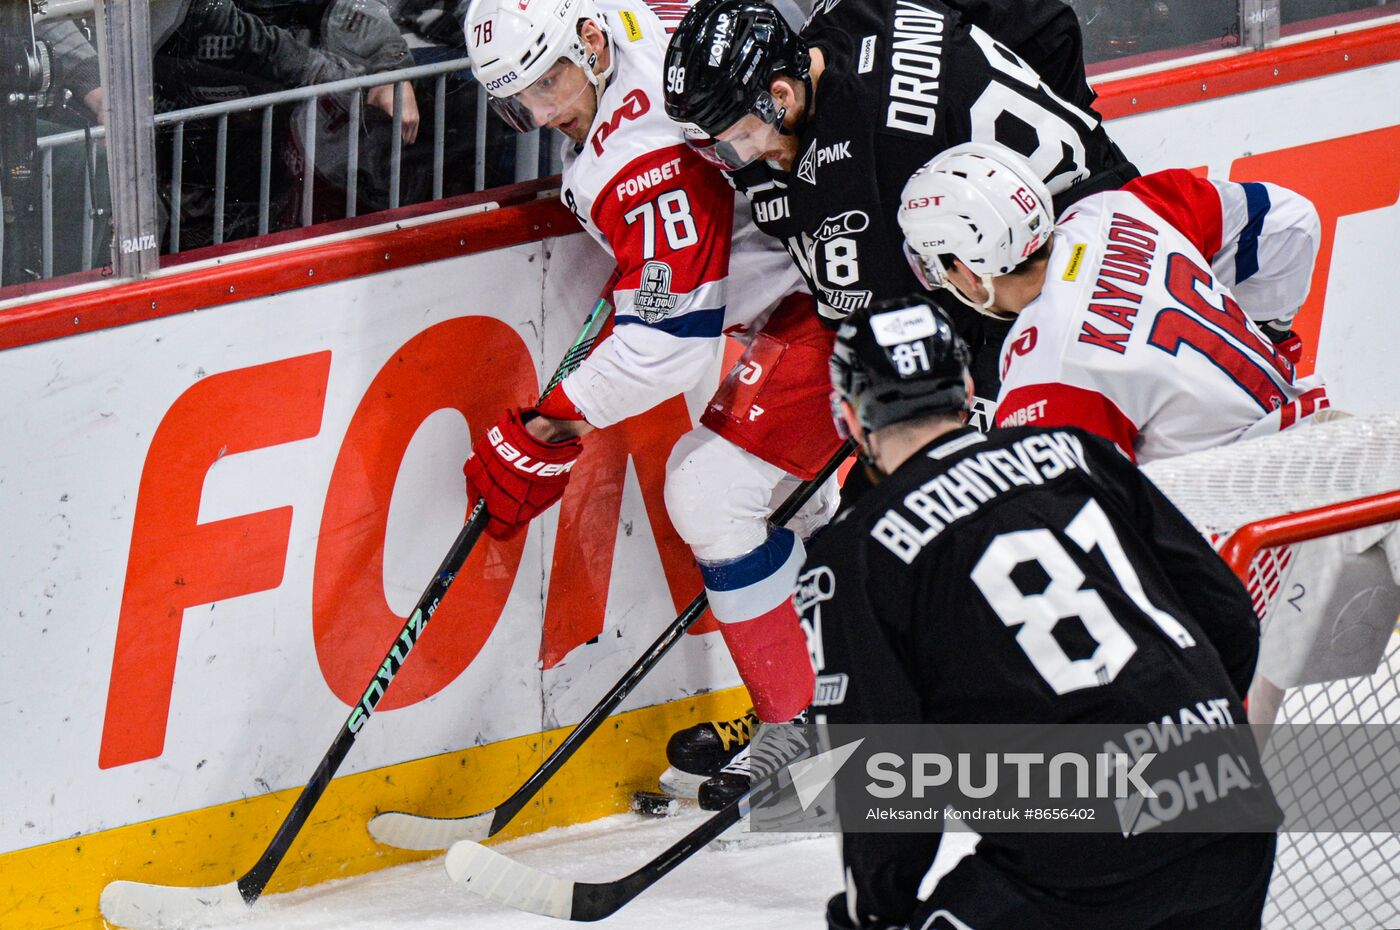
column 976, row 480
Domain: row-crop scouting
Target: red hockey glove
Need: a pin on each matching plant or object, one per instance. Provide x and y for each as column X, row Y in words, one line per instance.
column 519, row 476
column 1290, row 348
column 1286, row 342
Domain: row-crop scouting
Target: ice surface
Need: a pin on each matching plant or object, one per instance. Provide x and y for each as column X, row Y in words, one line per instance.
column 767, row 885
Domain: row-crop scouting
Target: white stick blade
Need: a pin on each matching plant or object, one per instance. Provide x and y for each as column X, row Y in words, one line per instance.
column 138, row 906
column 411, row 831
column 503, row 880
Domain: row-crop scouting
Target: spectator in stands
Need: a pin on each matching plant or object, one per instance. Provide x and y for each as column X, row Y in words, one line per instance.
column 215, row 50
column 363, row 33
column 77, row 71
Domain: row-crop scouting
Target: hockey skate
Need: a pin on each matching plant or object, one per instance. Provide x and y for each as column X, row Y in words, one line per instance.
column 701, row 752
column 789, row 821
column 786, row 743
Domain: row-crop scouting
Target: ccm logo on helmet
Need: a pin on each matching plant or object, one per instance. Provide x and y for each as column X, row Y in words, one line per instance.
column 521, row 462
column 918, row 203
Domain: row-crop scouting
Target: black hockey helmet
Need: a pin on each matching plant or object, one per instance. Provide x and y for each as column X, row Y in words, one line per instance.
column 722, row 58
column 898, row 360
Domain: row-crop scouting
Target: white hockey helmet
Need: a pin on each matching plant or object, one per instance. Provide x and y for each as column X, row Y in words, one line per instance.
column 512, row 43
column 981, row 203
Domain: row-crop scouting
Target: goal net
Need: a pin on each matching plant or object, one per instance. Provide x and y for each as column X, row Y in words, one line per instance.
column 1329, row 655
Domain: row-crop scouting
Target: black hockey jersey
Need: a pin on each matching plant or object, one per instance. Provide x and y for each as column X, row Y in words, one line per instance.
column 1023, row 577
column 903, row 80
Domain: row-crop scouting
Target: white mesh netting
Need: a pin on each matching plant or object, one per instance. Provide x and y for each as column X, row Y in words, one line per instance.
column 1340, row 459
column 1321, row 880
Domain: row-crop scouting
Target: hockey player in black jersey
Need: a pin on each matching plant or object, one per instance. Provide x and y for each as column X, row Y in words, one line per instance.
column 822, row 129
column 1027, row 576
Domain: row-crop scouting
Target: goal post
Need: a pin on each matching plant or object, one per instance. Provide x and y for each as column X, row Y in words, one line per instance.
column 1308, row 520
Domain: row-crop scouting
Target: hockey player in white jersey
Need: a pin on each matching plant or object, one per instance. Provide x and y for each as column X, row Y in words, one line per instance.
column 1123, row 321
column 689, row 271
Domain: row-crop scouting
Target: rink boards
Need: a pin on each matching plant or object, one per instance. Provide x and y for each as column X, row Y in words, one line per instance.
column 216, row 520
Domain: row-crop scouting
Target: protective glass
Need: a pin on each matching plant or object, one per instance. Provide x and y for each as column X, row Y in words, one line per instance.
column 930, row 272
column 553, row 94
column 747, row 140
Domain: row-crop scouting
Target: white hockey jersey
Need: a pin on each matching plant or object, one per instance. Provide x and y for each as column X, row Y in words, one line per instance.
column 691, row 264
column 1136, row 336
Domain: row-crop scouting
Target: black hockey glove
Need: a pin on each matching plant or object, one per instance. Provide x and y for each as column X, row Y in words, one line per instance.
column 838, row 917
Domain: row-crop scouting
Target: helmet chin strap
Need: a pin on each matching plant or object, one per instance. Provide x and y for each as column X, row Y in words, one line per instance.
column 985, row 307
column 599, row 79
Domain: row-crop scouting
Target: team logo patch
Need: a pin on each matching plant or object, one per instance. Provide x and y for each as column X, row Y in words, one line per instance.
column 630, row 24
column 815, row 586
column 654, row 300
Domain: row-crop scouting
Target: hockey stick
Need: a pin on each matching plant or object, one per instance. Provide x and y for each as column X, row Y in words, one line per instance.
column 503, row 880
column 414, row 831
column 144, row 906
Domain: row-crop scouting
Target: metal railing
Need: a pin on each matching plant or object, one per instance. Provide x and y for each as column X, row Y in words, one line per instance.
column 1254, row 24
column 527, row 152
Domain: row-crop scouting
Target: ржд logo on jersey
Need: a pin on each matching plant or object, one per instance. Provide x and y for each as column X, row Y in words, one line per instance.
column 654, row 300
column 634, row 106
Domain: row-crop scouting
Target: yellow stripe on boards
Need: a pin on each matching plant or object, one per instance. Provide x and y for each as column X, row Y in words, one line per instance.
column 57, row 884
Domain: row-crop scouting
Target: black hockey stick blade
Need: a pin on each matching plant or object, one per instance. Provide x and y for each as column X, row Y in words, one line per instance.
column 142, row 906
column 414, row 831
column 503, row 880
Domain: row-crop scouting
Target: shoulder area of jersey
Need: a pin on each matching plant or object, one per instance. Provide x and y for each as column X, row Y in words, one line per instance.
column 634, row 25
column 931, row 459
column 631, row 120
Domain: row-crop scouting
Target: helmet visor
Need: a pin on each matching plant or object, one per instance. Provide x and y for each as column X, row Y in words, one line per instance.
column 746, row 141
column 551, row 97
column 930, row 272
